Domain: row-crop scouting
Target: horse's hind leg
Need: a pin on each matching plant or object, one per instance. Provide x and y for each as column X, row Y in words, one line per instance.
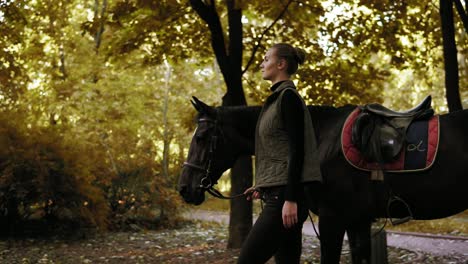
column 332, row 231
column 360, row 241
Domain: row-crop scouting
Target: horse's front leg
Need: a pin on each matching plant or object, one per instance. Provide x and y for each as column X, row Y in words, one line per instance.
column 360, row 241
column 332, row 229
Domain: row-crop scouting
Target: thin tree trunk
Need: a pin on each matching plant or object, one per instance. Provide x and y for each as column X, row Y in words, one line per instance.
column 62, row 68
column 115, row 168
column 166, row 139
column 100, row 17
column 450, row 56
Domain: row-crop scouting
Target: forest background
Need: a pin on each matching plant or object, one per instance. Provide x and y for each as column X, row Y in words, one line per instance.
column 94, row 95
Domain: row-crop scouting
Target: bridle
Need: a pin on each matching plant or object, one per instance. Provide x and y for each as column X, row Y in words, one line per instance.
column 207, row 183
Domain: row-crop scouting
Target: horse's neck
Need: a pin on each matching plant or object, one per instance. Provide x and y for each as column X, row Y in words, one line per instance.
column 241, row 121
column 327, row 121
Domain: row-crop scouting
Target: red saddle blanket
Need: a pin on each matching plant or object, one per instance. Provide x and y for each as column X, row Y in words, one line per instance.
column 418, row 153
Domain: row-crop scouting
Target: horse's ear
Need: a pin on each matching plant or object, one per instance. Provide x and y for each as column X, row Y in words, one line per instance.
column 201, row 106
column 194, row 102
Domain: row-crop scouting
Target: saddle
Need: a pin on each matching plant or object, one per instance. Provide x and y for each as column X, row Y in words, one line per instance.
column 379, row 133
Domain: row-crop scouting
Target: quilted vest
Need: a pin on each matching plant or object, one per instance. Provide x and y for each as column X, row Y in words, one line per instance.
column 272, row 148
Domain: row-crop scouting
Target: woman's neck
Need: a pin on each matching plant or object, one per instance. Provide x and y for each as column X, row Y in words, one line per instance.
column 279, row 79
column 275, row 86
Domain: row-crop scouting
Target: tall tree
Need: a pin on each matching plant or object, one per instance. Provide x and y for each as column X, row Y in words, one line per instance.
column 229, row 55
column 229, row 58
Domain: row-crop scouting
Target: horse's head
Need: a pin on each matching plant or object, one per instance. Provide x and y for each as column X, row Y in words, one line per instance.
column 210, row 154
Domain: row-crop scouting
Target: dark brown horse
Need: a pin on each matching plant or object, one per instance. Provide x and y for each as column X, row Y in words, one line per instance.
column 347, row 200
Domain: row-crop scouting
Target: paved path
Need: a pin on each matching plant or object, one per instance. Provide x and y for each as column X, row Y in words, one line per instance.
column 448, row 246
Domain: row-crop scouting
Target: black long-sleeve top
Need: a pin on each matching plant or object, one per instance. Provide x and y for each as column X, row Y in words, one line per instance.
column 293, row 120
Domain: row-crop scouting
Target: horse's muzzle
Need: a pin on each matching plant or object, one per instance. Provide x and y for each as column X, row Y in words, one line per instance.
column 195, row 197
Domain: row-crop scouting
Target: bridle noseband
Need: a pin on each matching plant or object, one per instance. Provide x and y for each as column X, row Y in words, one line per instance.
column 207, row 182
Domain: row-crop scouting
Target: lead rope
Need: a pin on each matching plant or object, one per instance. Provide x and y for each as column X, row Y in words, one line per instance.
column 313, row 225
column 219, row 195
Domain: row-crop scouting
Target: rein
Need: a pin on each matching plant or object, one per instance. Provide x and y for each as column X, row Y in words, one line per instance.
column 206, row 182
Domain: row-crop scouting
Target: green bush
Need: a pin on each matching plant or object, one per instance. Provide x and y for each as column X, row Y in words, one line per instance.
column 56, row 179
column 44, row 176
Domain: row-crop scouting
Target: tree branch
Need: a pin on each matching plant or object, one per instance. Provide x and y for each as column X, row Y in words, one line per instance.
column 208, row 13
column 462, row 14
column 254, row 51
column 62, row 62
column 100, row 30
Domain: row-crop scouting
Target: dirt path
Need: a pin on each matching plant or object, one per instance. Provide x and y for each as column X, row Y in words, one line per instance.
column 443, row 246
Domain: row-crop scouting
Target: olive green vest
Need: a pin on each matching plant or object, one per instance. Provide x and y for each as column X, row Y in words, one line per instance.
column 272, row 148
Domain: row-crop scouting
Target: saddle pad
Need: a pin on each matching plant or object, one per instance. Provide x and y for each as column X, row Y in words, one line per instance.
column 420, row 150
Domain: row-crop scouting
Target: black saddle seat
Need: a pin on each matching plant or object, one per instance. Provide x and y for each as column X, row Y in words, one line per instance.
column 416, row 111
column 380, row 133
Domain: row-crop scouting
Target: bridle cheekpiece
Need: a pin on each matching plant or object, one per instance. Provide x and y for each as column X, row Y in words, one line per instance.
column 207, row 182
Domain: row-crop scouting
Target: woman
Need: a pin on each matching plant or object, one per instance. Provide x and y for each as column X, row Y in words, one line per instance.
column 286, row 158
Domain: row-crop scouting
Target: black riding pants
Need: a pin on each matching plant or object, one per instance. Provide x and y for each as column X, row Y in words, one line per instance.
column 269, row 237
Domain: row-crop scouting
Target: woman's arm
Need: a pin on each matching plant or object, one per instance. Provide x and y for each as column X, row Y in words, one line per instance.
column 293, row 120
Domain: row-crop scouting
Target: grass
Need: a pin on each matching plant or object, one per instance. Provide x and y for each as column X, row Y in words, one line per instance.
column 456, row 225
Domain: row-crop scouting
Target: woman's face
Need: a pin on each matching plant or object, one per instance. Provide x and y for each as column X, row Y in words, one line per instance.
column 269, row 65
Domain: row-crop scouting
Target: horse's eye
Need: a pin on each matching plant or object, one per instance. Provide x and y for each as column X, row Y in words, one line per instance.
column 202, row 133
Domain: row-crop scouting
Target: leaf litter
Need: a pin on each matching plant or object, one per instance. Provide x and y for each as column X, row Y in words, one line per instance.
column 196, row 242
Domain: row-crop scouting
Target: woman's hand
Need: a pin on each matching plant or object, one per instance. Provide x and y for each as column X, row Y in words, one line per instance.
column 252, row 193
column 289, row 214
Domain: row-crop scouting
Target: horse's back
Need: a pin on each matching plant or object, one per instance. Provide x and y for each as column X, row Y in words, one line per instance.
column 440, row 191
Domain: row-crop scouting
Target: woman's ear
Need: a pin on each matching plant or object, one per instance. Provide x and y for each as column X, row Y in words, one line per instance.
column 282, row 64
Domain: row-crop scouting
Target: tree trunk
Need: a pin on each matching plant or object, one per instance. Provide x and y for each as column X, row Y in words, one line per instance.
column 229, row 58
column 240, row 217
column 166, row 137
column 450, row 56
column 241, row 174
